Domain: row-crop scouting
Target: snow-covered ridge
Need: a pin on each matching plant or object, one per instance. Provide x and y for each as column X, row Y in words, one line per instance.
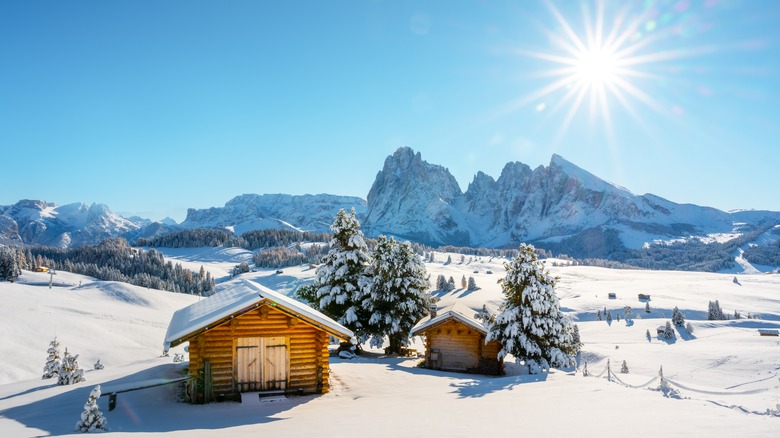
column 420, row 201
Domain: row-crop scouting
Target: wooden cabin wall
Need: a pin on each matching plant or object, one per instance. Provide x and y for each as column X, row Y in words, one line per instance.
column 458, row 345
column 308, row 350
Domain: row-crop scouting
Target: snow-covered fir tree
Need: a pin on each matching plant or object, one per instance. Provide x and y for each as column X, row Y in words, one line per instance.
column 472, row 284
column 647, row 334
column 485, row 315
column 628, row 313
column 441, row 283
column 52, row 367
column 598, row 315
column 92, row 419
column 668, row 331
column 624, row 368
column 576, row 342
column 530, row 324
column 689, row 328
column 463, row 283
column 70, row 372
column 609, row 317
column 450, row 284
column 647, row 306
column 336, row 290
column 714, row 313
column 677, row 317
column 449, row 259
column 396, row 296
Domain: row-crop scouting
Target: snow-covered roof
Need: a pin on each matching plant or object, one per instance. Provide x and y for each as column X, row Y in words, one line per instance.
column 239, row 296
column 456, row 311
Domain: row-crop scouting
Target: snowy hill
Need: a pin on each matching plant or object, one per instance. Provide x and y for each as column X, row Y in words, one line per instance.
column 731, row 371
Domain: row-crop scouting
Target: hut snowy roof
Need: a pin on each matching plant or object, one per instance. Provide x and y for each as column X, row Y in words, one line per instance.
column 456, row 311
column 237, row 299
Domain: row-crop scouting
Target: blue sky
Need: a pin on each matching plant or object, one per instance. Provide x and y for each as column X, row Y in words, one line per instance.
column 154, row 107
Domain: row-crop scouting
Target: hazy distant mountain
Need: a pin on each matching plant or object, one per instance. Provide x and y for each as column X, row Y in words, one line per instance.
column 254, row 212
column 413, row 199
column 42, row 223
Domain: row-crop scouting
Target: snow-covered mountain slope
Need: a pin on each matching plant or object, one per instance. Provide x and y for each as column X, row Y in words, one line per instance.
column 730, row 371
column 42, row 223
column 255, row 212
column 420, row 201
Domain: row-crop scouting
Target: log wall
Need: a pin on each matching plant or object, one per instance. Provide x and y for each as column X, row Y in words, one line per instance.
column 458, row 347
column 308, row 351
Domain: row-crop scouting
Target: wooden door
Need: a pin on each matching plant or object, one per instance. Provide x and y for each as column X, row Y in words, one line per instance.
column 249, row 372
column 275, row 363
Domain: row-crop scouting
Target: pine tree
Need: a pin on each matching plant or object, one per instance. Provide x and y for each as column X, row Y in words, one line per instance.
column 463, row 283
column 336, row 290
column 714, row 312
column 598, row 315
column 609, row 317
column 627, row 313
column 576, row 342
column 92, row 419
column 69, row 372
column 677, row 317
column 737, row 315
column 624, row 368
column 647, row 334
column 530, row 325
column 449, row 260
column 668, row 331
column 450, row 284
column 52, row 367
column 396, row 296
column 441, row 283
column 647, row 306
column 472, row 284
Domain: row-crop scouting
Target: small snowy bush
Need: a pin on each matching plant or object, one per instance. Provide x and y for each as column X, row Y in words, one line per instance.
column 624, row 368
column 92, row 419
column 69, row 372
column 98, row 365
column 52, row 366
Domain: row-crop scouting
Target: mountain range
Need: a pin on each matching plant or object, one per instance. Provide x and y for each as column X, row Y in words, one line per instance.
column 413, row 199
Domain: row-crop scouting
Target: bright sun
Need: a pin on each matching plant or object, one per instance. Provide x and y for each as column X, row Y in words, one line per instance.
column 597, row 65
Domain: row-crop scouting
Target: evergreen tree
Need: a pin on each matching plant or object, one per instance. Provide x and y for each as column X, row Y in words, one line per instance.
column 69, row 372
column 668, row 331
column 677, row 317
column 647, row 306
column 647, row 334
column 450, row 284
column 714, row 312
column 441, row 283
column 627, row 313
column 576, row 342
column 472, row 284
column 737, row 315
column 609, row 317
column 336, row 290
column 530, row 325
column 598, row 315
column 9, row 264
column 463, row 283
column 92, row 419
column 689, row 327
column 624, row 368
column 396, row 296
column 449, row 260
column 52, row 367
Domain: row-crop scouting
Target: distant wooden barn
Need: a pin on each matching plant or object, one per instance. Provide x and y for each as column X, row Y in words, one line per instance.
column 768, row 332
column 250, row 338
column 455, row 341
column 644, row 297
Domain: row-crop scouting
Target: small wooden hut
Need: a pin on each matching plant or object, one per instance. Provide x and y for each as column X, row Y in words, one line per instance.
column 455, row 341
column 249, row 338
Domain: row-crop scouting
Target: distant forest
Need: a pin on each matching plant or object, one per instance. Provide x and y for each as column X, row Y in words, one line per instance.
column 251, row 240
column 114, row 260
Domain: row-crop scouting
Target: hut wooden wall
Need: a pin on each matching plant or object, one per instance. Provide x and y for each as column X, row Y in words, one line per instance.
column 462, row 348
column 308, row 350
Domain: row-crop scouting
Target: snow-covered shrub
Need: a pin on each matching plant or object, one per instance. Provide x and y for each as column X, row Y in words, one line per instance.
column 668, row 332
column 472, row 284
column 98, row 365
column 627, row 313
column 677, row 317
column 69, row 372
column 52, row 366
column 178, row 357
column 92, row 419
column 624, row 368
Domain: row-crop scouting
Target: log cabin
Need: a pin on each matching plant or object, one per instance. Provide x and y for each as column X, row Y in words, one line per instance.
column 455, row 341
column 249, row 338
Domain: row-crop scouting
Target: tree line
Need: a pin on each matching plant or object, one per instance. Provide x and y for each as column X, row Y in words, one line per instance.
column 213, row 237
